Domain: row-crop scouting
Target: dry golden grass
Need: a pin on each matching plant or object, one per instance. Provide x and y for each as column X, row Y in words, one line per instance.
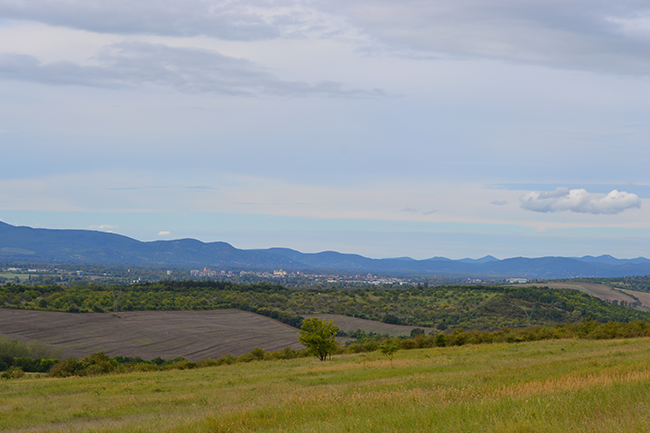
column 547, row 386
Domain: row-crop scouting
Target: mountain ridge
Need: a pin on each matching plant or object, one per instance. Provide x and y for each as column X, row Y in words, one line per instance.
column 21, row 244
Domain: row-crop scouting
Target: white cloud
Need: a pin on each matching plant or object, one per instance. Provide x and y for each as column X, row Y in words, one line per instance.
column 579, row 200
column 104, row 227
column 163, row 233
column 188, row 70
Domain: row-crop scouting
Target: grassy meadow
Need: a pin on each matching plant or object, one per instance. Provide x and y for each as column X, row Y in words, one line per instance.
column 545, row 386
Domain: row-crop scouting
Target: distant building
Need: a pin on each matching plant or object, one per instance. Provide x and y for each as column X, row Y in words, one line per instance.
column 518, row 280
column 204, row 273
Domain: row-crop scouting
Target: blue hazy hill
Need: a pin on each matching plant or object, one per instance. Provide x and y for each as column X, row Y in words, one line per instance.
column 36, row 245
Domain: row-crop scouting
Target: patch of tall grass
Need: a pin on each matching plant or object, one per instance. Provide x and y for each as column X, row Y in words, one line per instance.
column 546, row 386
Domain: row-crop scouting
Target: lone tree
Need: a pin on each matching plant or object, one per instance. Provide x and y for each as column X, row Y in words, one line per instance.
column 319, row 337
column 389, row 348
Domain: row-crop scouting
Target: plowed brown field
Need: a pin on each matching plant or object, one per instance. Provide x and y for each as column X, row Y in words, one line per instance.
column 148, row 334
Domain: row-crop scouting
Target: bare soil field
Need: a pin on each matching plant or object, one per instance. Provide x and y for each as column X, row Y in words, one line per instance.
column 192, row 334
column 598, row 290
column 346, row 323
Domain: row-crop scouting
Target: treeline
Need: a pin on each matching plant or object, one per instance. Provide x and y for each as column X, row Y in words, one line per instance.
column 100, row 363
column 17, row 357
column 441, row 307
column 586, row 329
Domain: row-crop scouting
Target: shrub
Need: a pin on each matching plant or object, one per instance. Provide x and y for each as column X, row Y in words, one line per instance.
column 226, row 359
column 12, row 373
column 66, row 368
column 185, row 365
column 259, row 354
column 208, row 362
column 144, row 367
column 286, row 353
column 246, row 357
column 97, row 363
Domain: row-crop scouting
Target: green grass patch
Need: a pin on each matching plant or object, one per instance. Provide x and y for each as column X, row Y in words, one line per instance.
column 547, row 386
column 11, row 276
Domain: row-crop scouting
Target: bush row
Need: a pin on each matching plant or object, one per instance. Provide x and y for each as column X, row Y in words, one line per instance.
column 587, row 329
column 100, row 363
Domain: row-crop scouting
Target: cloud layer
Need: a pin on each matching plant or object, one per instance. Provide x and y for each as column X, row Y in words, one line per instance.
column 225, row 19
column 238, row 20
column 579, row 200
column 605, row 36
column 188, row 70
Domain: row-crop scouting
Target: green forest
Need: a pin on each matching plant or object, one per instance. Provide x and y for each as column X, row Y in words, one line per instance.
column 442, row 307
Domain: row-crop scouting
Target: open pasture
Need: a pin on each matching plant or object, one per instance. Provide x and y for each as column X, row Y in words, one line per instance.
column 148, row 334
column 10, row 275
column 560, row 386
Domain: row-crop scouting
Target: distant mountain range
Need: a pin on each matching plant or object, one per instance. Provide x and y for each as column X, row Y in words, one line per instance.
column 30, row 245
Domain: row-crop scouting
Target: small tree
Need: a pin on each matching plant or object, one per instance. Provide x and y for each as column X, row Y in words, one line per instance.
column 389, row 348
column 319, row 337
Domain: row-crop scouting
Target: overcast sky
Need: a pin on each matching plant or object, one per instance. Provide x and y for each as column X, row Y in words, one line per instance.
column 384, row 128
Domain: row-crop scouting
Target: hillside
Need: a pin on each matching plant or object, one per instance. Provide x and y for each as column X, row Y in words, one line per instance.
column 37, row 245
column 561, row 386
column 443, row 307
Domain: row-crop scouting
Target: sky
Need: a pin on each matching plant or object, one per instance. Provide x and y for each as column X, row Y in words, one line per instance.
column 413, row 128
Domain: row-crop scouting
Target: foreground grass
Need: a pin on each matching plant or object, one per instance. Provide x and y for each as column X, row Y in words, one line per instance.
column 546, row 386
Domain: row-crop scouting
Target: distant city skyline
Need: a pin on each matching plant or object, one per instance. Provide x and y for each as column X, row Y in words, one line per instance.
column 380, row 128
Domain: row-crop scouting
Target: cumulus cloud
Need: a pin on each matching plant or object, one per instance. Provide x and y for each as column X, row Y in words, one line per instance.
column 163, row 233
column 185, row 69
column 109, row 228
column 579, row 200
